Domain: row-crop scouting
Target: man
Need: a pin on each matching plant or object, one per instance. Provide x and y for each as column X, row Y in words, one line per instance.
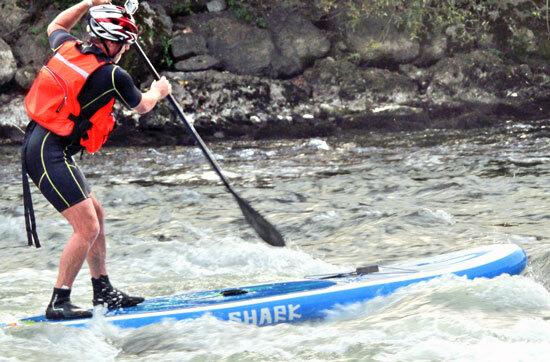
column 70, row 104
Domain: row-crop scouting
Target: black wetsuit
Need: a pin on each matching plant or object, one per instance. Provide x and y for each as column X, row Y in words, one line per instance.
column 47, row 157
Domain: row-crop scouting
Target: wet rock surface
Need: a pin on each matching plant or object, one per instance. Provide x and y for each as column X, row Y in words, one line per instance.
column 7, row 63
column 375, row 41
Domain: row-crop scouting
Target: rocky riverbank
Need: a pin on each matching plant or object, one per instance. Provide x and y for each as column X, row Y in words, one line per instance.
column 289, row 71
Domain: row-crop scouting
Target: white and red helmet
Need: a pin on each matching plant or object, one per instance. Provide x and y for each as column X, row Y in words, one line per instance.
column 111, row 22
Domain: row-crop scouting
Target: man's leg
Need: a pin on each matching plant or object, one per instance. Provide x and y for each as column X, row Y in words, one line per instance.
column 104, row 293
column 86, row 228
column 98, row 252
column 83, row 219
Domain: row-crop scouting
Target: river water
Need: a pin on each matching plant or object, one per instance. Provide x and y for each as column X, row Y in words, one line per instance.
column 341, row 202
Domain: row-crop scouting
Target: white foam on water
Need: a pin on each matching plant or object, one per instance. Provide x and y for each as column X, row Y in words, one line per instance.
column 329, row 215
column 450, row 318
column 23, row 275
column 229, row 258
column 246, row 153
column 440, row 216
column 318, row 144
column 208, row 339
column 56, row 343
column 388, row 337
column 12, row 229
column 129, row 195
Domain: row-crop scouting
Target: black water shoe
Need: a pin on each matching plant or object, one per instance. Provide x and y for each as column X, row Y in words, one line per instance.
column 60, row 306
column 105, row 294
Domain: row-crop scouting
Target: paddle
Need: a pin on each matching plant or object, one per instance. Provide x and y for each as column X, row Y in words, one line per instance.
column 264, row 229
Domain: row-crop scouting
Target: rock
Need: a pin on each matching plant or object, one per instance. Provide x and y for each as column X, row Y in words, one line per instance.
column 25, row 76
column 421, row 76
column 11, row 18
column 377, row 41
column 176, row 7
column 200, row 62
column 32, row 50
column 277, row 93
column 487, row 41
column 297, row 40
column 32, row 47
column 156, row 120
column 480, row 76
column 432, row 50
column 7, row 63
column 216, row 5
column 328, row 73
column 525, row 71
column 241, row 48
column 289, row 44
column 155, row 35
column 161, row 18
column 386, row 86
column 527, row 39
column 13, row 118
column 188, row 44
column 397, row 110
column 236, row 105
column 342, row 84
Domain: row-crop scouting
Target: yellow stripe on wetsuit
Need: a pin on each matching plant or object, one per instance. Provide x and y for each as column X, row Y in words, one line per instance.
column 46, row 171
column 48, row 176
column 72, row 174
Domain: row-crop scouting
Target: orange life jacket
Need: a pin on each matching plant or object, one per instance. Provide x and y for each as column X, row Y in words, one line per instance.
column 52, row 100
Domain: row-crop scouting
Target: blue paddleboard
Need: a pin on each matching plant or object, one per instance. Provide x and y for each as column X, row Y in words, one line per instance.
column 310, row 298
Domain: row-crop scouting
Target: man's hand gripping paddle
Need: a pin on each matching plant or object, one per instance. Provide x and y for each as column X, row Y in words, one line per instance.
column 264, row 229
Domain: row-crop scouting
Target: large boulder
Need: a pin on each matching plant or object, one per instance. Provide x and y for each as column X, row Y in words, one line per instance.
column 486, row 82
column 216, row 5
column 480, row 76
column 178, row 7
column 432, row 49
column 384, row 86
column 12, row 15
column 25, row 76
column 197, row 63
column 160, row 18
column 342, row 84
column 378, row 41
column 288, row 45
column 185, row 45
column 13, row 118
column 7, row 63
column 297, row 40
column 240, row 47
column 155, row 34
column 32, row 48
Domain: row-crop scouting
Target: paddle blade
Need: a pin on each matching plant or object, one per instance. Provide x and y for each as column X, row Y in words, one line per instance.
column 264, row 229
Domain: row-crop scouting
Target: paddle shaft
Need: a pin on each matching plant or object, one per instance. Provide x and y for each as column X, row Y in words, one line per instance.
column 187, row 124
column 264, row 229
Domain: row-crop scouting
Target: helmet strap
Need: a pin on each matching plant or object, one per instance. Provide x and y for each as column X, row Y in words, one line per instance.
column 106, row 47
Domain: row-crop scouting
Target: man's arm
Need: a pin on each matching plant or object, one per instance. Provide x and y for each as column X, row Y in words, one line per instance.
column 159, row 89
column 68, row 18
column 132, row 97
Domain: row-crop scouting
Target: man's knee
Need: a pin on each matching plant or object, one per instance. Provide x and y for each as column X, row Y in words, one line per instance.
column 89, row 229
column 99, row 210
